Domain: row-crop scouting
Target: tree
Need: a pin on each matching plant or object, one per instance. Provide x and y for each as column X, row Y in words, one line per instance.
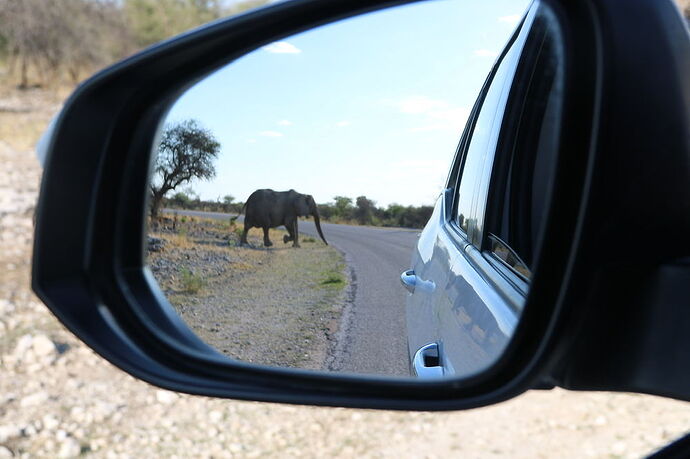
column 151, row 21
column 68, row 35
column 42, row 40
column 364, row 210
column 154, row 20
column 343, row 207
column 186, row 151
column 180, row 199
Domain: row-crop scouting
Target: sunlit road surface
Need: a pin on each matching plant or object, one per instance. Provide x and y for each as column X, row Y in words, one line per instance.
column 374, row 340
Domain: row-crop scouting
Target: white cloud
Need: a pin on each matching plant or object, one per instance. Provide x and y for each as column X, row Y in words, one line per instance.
column 511, row 19
column 282, row 47
column 284, row 123
column 485, row 53
column 271, row 134
column 434, row 114
column 251, row 140
column 342, row 123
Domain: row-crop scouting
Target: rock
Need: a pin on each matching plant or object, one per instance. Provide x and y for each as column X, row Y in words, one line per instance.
column 9, row 431
column 43, row 346
column 155, row 244
column 5, row 307
column 34, row 399
column 50, row 422
column 5, row 452
column 166, row 397
column 23, row 345
column 70, row 447
column 618, row 448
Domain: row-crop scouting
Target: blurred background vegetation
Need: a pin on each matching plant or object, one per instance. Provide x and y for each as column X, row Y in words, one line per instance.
column 50, row 43
column 358, row 211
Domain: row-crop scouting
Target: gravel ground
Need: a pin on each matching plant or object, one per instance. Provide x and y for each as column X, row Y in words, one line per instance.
column 277, row 306
column 58, row 399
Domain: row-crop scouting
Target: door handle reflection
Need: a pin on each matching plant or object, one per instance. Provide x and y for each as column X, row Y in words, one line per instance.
column 427, row 362
column 412, row 282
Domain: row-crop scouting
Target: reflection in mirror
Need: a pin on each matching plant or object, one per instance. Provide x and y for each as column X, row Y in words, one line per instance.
column 290, row 187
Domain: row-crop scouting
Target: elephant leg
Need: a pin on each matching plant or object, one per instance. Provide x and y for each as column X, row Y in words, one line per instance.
column 295, row 234
column 267, row 241
column 243, row 238
column 291, row 234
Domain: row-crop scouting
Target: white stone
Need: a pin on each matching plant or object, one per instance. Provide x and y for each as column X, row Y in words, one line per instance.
column 43, row 346
column 69, row 448
column 215, row 416
column 5, row 452
column 600, row 420
column 34, row 399
column 618, row 448
column 6, row 307
column 9, row 431
column 166, row 397
column 78, row 413
column 50, row 422
column 30, row 430
column 23, row 345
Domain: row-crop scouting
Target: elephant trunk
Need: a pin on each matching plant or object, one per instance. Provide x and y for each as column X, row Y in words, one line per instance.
column 317, row 219
column 317, row 222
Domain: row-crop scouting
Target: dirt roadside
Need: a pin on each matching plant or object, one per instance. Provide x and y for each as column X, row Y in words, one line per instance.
column 278, row 306
column 59, row 399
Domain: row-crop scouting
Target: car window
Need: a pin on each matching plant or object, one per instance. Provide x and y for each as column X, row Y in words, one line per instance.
column 482, row 144
column 523, row 170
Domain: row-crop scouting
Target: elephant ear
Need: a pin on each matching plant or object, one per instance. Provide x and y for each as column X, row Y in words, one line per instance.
column 312, row 204
column 299, row 203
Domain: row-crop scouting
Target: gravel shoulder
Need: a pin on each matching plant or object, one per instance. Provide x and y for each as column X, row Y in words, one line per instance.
column 278, row 306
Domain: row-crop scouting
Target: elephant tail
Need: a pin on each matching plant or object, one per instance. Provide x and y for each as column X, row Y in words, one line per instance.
column 233, row 219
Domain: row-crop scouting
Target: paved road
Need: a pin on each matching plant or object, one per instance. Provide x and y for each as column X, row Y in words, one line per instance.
column 374, row 336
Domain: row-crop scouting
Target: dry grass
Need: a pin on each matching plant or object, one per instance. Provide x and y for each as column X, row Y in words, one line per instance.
column 21, row 130
column 178, row 241
column 25, row 114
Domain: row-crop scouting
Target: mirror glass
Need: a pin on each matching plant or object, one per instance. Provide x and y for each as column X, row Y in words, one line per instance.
column 342, row 138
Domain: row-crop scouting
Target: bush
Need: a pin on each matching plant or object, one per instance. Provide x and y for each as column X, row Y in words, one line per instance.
column 334, row 279
column 191, row 283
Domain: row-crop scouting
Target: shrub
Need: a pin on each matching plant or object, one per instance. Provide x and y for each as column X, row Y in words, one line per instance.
column 191, row 283
column 333, row 279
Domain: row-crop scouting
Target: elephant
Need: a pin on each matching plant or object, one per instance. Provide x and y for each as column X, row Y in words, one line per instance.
column 269, row 209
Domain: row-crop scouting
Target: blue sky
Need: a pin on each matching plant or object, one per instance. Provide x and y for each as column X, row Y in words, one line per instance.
column 373, row 105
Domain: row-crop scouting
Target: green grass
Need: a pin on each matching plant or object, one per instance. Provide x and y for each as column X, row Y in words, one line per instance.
column 191, row 283
column 308, row 239
column 333, row 278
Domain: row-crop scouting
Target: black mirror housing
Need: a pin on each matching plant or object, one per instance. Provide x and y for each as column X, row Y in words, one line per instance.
column 602, row 286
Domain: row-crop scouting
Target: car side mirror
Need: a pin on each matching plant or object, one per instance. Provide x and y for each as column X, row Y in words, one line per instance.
column 576, row 84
